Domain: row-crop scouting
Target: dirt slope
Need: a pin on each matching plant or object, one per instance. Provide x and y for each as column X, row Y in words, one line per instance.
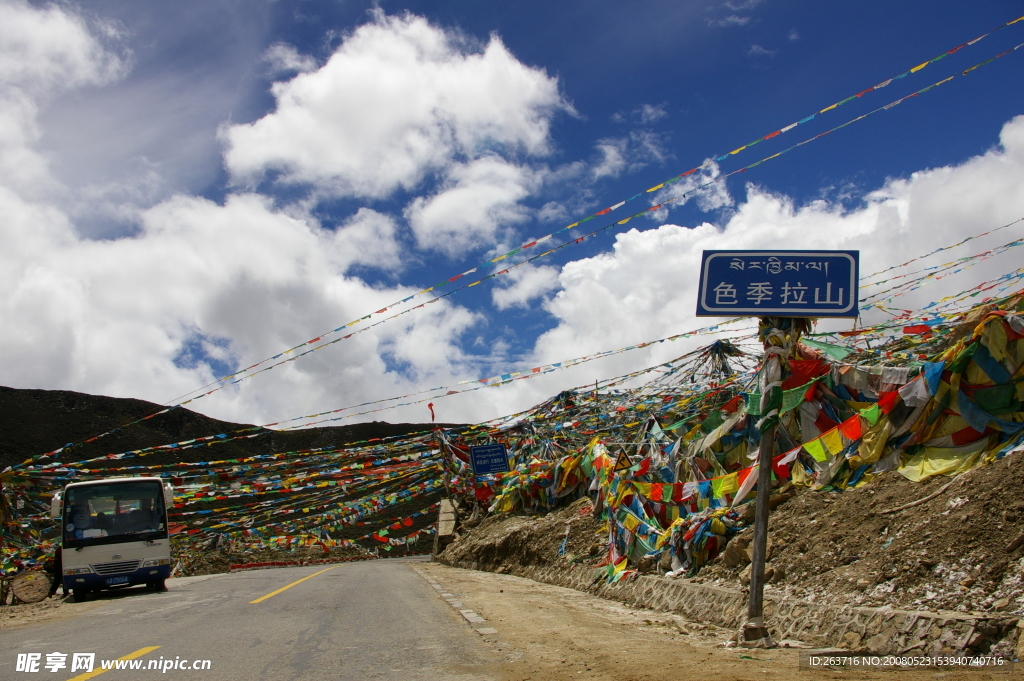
column 956, row 551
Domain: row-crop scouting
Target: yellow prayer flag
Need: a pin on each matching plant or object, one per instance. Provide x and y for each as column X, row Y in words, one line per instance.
column 727, row 484
column 833, row 441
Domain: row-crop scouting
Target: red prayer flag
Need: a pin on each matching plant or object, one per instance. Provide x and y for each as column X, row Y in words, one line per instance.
column 887, row 401
column 850, row 428
column 780, row 469
column 732, row 405
column 804, row 370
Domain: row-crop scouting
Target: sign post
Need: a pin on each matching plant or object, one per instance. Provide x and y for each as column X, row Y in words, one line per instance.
column 785, row 289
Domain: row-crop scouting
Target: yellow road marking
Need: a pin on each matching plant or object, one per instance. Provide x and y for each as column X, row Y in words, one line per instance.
column 285, row 588
column 131, row 656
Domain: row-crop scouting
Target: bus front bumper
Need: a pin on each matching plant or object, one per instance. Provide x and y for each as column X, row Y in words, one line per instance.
column 140, row 576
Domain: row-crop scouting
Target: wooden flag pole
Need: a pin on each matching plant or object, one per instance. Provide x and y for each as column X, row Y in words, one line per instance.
column 780, row 336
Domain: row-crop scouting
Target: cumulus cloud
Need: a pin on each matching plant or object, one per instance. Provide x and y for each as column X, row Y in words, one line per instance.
column 203, row 285
column 44, row 51
column 645, row 287
column 368, row 239
column 758, row 51
column 283, row 58
column 399, row 98
column 477, row 199
column 525, row 284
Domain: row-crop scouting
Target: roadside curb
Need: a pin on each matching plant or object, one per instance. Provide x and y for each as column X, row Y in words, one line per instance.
column 472, row 618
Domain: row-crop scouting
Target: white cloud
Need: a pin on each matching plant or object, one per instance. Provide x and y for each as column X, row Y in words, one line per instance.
column 204, row 284
column 645, row 114
column 613, row 160
column 628, row 154
column 478, row 198
column 283, row 58
column 645, row 288
column 399, row 98
column 43, row 51
column 525, row 284
column 700, row 186
column 367, row 238
column 731, row 20
column 650, row 113
column 131, row 317
column 553, row 212
column 758, row 51
column 743, row 5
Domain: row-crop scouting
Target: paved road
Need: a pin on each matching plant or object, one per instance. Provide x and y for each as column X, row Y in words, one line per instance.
column 366, row 620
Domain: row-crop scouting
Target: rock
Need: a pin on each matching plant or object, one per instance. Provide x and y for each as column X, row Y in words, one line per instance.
column 767, row 552
column 745, row 576
column 863, row 583
column 851, row 639
column 1001, row 604
column 968, row 582
column 735, row 553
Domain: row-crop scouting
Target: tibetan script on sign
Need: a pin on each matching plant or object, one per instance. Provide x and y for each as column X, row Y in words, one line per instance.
column 779, row 283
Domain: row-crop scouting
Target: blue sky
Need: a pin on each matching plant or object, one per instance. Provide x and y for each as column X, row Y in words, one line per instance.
column 196, row 186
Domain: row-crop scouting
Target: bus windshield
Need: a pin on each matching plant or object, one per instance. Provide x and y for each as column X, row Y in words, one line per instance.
column 114, row 512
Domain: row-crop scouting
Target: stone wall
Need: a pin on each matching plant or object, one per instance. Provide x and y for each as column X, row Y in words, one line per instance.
column 881, row 631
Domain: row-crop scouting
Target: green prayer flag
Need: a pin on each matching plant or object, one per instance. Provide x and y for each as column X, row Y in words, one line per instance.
column 816, row 449
column 872, row 413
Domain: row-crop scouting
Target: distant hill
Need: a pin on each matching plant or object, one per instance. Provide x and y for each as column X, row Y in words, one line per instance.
column 33, row 422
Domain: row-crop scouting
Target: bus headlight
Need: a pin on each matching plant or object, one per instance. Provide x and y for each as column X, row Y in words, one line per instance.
column 153, row 562
column 78, row 571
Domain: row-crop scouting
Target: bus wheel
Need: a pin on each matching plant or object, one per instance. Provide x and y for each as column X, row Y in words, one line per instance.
column 80, row 595
column 159, row 585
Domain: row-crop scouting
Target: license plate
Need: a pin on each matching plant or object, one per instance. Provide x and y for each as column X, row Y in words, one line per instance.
column 117, row 580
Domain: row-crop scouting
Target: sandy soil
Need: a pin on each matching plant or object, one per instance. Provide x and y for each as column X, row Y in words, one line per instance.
column 549, row 632
column 54, row 608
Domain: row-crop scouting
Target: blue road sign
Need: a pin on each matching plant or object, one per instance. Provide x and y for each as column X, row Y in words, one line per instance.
column 487, row 459
column 779, row 283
